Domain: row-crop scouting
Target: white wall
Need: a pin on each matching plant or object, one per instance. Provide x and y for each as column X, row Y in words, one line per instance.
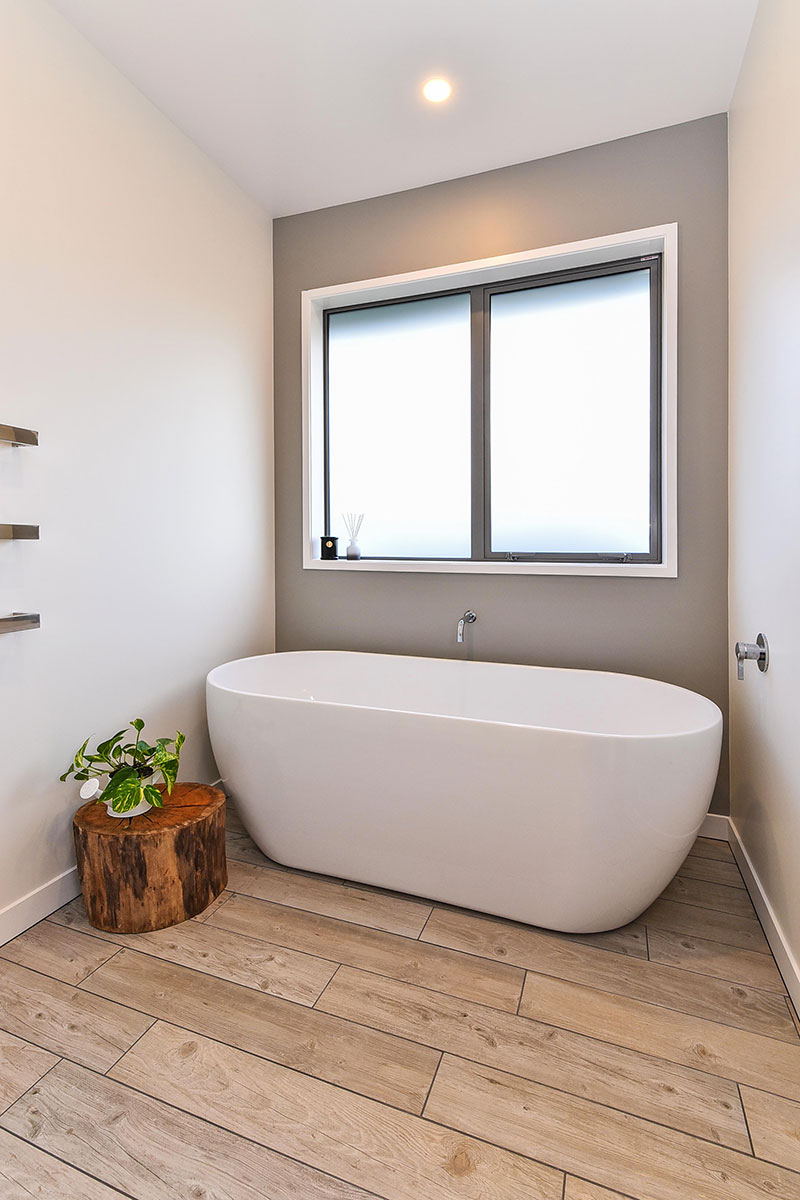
column 135, row 336
column 765, row 459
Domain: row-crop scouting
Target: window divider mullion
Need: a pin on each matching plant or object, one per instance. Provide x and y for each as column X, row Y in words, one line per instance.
column 477, row 439
column 326, row 428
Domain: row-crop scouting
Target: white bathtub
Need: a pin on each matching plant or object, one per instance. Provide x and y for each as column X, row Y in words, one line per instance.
column 566, row 799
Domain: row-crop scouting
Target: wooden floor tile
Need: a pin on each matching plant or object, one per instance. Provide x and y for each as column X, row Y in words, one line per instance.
column 713, row 848
column 774, row 1127
column 737, row 1054
column 233, row 822
column 585, row 1139
column 66, row 1021
column 712, row 870
column 372, row 1063
column 690, row 1100
column 717, row 896
column 241, row 848
column 21, row 1064
column 697, row 995
column 491, row 937
column 61, row 953
column 231, row 956
column 744, row 932
column 329, row 897
column 579, row 1189
column 700, row 995
column 152, row 1151
column 394, row 1154
column 713, row 958
column 213, row 906
column 26, row 1171
column 496, row 984
column 793, row 1012
column 629, row 940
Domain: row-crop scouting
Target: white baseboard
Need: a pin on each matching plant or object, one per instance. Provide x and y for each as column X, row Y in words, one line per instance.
column 15, row 918
column 723, row 829
column 716, row 826
column 787, row 963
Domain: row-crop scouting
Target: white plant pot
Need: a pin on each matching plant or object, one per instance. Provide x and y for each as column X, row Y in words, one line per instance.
column 142, row 807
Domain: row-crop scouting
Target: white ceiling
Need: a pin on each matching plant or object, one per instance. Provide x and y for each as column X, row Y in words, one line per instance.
column 308, row 103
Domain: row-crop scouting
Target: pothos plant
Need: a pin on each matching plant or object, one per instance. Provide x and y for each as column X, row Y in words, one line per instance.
column 132, row 767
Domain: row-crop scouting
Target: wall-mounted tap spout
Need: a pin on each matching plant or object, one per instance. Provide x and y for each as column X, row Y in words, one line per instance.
column 468, row 618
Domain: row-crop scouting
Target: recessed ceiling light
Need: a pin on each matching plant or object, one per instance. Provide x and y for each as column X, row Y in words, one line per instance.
column 436, row 90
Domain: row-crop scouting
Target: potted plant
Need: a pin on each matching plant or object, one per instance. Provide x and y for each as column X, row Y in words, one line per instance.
column 132, row 768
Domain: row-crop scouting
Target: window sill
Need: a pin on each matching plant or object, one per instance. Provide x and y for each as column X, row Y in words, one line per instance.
column 444, row 567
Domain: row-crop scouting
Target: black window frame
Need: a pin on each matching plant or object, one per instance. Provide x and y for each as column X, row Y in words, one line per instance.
column 480, row 411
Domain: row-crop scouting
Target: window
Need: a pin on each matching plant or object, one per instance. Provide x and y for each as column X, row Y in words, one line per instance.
column 572, row 416
column 511, row 421
column 398, row 418
column 555, row 378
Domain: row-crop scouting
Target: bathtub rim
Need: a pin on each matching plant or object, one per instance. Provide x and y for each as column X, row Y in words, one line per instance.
column 717, row 721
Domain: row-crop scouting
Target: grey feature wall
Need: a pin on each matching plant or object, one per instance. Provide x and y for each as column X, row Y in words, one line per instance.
column 671, row 629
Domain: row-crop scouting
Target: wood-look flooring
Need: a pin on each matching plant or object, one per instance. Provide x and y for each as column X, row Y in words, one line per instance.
column 312, row 1038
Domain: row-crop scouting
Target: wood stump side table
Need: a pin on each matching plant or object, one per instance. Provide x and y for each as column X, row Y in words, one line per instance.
column 154, row 870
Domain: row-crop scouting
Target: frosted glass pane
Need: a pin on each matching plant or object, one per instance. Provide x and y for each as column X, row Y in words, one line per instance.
column 570, row 417
column 399, row 427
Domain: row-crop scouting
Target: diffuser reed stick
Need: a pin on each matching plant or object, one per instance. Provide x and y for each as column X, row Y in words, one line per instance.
column 352, row 523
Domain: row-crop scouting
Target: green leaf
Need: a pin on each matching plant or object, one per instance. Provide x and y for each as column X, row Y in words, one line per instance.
column 138, row 724
column 152, row 794
column 169, row 773
column 78, row 760
column 104, row 749
column 180, row 738
column 123, row 790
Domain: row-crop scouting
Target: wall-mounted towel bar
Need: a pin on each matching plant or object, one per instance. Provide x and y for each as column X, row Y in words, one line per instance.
column 15, row 435
column 16, row 622
column 19, row 533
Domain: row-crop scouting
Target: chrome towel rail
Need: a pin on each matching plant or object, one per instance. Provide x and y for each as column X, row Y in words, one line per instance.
column 15, row 435
column 16, row 622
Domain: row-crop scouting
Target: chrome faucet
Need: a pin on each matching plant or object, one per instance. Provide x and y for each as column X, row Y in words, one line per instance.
column 757, row 650
column 468, row 618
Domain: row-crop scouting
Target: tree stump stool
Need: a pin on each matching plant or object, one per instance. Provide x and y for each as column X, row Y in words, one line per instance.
column 156, row 869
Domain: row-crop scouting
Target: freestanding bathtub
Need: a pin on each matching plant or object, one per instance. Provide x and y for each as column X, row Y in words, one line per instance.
column 566, row 799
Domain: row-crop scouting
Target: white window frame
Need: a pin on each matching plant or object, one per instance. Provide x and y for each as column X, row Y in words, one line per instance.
column 659, row 239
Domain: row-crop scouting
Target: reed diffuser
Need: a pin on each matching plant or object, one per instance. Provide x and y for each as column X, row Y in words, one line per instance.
column 352, row 523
